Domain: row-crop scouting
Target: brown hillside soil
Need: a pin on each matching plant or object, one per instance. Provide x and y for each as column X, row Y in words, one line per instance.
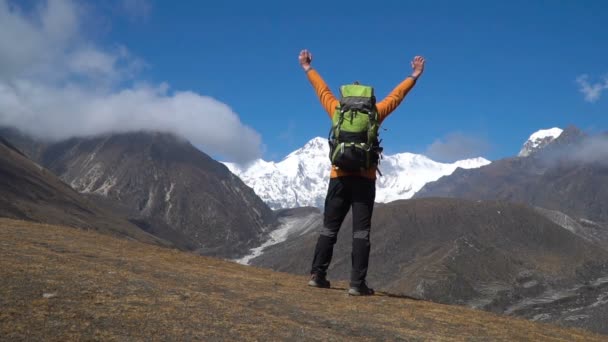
column 59, row 283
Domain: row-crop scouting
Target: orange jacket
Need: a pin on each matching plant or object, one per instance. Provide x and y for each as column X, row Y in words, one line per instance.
column 385, row 107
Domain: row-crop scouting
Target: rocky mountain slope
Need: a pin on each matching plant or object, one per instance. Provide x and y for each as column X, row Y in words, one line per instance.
column 569, row 175
column 496, row 256
column 163, row 184
column 29, row 191
column 171, row 188
column 291, row 223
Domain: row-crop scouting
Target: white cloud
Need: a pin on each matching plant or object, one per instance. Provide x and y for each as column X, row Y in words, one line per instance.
column 456, row 146
column 593, row 91
column 589, row 150
column 90, row 61
column 55, row 83
column 593, row 149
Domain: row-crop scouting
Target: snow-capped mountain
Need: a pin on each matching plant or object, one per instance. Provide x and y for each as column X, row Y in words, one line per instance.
column 539, row 140
column 301, row 178
column 406, row 173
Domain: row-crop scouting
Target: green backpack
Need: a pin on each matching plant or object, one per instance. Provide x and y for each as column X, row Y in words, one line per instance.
column 353, row 138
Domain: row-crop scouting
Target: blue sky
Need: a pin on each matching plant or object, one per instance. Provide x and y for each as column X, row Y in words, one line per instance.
column 496, row 71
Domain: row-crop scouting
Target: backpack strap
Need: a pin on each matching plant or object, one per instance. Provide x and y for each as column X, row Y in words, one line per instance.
column 335, row 129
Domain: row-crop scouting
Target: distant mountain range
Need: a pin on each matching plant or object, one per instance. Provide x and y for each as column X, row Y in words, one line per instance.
column 568, row 174
column 301, row 178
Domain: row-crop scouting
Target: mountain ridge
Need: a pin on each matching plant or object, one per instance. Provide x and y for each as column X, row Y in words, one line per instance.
column 569, row 174
column 162, row 184
column 300, row 179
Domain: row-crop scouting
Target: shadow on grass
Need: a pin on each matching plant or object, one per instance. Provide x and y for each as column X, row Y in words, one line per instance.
column 379, row 294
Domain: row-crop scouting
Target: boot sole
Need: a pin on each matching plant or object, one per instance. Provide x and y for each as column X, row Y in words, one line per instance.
column 354, row 292
column 314, row 284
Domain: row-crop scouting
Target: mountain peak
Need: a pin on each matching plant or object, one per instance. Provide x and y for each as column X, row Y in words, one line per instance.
column 539, row 140
column 315, row 148
column 543, row 133
column 301, row 178
column 316, row 143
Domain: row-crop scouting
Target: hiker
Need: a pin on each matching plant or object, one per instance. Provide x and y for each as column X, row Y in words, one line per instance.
column 355, row 152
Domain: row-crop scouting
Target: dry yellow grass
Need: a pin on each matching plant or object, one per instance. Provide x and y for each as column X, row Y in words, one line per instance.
column 103, row 288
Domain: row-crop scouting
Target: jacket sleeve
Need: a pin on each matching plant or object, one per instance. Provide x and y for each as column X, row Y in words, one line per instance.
column 392, row 101
column 328, row 100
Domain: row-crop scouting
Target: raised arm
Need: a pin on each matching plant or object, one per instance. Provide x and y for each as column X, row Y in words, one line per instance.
column 327, row 98
column 392, row 101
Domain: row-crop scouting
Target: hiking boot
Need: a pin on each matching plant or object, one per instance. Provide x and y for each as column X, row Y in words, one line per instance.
column 362, row 290
column 318, row 281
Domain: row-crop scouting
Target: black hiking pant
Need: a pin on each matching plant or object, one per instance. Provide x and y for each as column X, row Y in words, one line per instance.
column 342, row 194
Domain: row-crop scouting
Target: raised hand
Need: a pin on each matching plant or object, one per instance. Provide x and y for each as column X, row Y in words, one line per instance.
column 305, row 58
column 417, row 66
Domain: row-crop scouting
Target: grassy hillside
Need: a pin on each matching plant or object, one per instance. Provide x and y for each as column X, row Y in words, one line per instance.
column 59, row 283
